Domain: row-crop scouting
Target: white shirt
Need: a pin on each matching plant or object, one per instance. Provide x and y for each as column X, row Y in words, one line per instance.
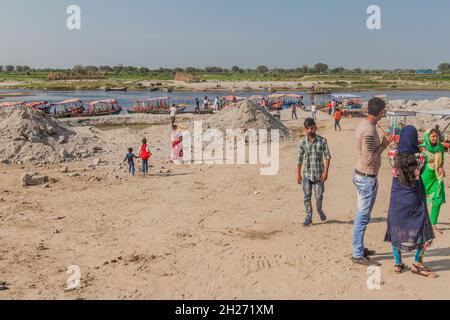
column 313, row 108
column 173, row 111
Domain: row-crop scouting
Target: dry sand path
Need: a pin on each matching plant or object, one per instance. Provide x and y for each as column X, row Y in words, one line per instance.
column 199, row 232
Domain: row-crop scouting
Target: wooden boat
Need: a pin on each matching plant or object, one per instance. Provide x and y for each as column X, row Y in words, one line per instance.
column 67, row 108
column 101, row 108
column 12, row 104
column 116, row 89
column 160, row 105
column 43, row 106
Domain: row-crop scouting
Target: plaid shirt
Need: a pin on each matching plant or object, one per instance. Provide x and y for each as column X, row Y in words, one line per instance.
column 312, row 156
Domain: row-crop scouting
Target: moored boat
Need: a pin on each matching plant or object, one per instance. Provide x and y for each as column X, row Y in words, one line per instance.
column 101, row 108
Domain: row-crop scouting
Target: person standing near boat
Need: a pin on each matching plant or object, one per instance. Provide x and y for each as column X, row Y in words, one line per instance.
column 434, row 174
column 197, row 106
column 409, row 227
column 315, row 156
column 173, row 113
column 333, row 106
column 216, row 104
column 314, row 111
column 144, row 154
column 206, row 103
column 294, row 112
column 365, row 176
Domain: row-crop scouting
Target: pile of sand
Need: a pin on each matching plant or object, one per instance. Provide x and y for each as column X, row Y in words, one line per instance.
column 32, row 137
column 438, row 104
column 247, row 115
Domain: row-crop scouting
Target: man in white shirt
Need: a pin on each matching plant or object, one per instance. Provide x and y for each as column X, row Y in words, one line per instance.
column 314, row 111
column 173, row 113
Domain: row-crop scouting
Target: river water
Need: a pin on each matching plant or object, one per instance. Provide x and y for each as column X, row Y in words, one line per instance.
column 126, row 99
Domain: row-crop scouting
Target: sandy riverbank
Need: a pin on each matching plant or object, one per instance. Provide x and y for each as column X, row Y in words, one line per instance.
column 196, row 232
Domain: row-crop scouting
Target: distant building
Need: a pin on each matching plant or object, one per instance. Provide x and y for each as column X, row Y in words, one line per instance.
column 427, row 71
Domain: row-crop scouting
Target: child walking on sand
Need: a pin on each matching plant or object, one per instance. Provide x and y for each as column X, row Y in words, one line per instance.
column 130, row 158
column 144, row 154
column 337, row 119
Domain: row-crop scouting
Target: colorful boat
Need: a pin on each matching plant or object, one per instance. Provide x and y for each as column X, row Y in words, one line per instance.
column 159, row 105
column 43, row 106
column 67, row 108
column 12, row 104
column 101, row 108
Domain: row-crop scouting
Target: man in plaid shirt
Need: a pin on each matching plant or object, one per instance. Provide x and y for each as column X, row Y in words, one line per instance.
column 315, row 156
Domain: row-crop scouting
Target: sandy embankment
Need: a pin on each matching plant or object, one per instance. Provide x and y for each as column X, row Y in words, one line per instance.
column 196, row 232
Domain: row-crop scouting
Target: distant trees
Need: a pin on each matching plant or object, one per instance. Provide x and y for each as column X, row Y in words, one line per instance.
column 444, row 68
column 78, row 69
column 102, row 71
column 321, row 67
column 105, row 68
column 235, row 69
column 262, row 69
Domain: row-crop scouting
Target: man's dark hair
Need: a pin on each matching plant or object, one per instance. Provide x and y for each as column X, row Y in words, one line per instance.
column 130, row 150
column 310, row 123
column 144, row 141
column 376, row 106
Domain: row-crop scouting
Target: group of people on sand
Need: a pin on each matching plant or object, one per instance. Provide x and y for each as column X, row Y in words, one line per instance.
column 418, row 182
column 145, row 152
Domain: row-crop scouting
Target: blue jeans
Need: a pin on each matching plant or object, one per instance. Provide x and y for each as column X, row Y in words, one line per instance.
column 367, row 189
column 144, row 167
column 319, row 190
column 337, row 125
column 131, row 168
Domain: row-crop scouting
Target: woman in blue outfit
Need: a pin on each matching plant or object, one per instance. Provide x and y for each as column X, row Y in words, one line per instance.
column 409, row 226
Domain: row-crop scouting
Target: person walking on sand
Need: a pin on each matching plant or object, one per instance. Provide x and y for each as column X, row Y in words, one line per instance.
column 197, row 106
column 409, row 227
column 330, row 107
column 337, row 119
column 130, row 158
column 314, row 111
column 365, row 176
column 315, row 155
column 173, row 113
column 177, row 145
column 144, row 154
column 434, row 174
column 294, row 112
column 333, row 106
column 216, row 104
column 206, row 103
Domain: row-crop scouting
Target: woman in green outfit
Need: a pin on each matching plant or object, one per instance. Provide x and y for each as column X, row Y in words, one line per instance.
column 433, row 176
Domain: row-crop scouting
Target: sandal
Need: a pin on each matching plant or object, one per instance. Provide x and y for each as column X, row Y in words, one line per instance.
column 400, row 269
column 424, row 272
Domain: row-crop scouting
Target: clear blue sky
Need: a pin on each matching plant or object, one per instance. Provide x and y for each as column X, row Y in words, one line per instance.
column 247, row 33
